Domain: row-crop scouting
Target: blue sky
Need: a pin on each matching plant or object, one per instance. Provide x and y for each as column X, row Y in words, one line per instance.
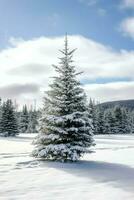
column 96, row 19
column 32, row 31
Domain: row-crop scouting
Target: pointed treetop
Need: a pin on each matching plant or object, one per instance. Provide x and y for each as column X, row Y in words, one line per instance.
column 66, row 44
column 66, row 51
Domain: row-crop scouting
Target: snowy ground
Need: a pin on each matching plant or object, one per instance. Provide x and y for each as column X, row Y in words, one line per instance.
column 107, row 174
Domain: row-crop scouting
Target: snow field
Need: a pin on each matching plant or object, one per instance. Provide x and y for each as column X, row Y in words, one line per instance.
column 105, row 175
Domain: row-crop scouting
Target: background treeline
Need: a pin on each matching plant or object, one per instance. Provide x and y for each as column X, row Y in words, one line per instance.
column 114, row 120
column 13, row 122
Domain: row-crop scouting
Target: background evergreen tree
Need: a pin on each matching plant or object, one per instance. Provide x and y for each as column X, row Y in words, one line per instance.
column 24, row 120
column 100, row 122
column 118, row 119
column 93, row 110
column 0, row 114
column 125, row 121
column 131, row 121
column 108, row 121
column 32, row 122
column 9, row 125
column 65, row 127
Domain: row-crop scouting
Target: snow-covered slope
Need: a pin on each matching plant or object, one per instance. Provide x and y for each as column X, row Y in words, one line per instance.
column 105, row 175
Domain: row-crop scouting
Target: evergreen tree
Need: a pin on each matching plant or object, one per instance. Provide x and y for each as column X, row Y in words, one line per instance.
column 0, row 114
column 100, row 122
column 93, row 110
column 131, row 121
column 33, row 123
column 125, row 121
column 111, row 120
column 108, row 121
column 24, row 120
column 118, row 119
column 65, row 127
column 9, row 125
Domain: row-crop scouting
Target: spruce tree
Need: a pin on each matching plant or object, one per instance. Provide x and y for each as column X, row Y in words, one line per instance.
column 112, row 122
column 131, row 121
column 125, row 121
column 118, row 119
column 33, row 123
column 108, row 121
column 24, row 120
column 65, row 128
column 0, row 115
column 9, row 125
column 93, row 111
column 100, row 129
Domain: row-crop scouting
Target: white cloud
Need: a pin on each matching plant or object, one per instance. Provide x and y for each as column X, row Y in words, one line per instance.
column 128, row 4
column 29, row 63
column 110, row 91
column 127, row 27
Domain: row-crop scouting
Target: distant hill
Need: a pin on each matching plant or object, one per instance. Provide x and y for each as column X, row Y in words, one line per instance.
column 123, row 103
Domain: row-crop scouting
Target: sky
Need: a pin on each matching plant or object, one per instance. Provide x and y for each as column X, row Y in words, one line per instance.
column 32, row 32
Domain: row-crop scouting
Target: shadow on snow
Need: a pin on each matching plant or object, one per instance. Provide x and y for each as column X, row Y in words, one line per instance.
column 117, row 175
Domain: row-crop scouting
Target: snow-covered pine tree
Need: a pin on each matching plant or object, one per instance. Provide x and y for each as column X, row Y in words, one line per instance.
column 131, row 121
column 9, row 125
column 125, row 121
column 108, row 121
column 118, row 119
column 100, row 128
column 93, row 114
column 24, row 120
column 0, row 114
column 112, row 121
column 65, row 127
column 33, row 123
